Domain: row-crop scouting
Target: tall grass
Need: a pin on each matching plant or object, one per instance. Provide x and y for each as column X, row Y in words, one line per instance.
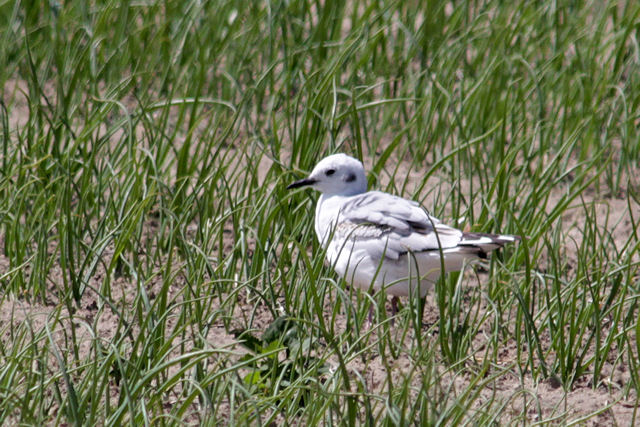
column 148, row 241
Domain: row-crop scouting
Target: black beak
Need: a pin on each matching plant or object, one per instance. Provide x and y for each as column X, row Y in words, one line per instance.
column 301, row 183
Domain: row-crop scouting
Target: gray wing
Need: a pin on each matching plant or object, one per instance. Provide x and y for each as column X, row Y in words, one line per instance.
column 393, row 226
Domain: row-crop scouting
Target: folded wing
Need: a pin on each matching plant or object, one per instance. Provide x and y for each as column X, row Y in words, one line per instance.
column 407, row 227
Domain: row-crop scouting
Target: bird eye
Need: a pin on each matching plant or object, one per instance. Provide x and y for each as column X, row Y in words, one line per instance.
column 330, row 172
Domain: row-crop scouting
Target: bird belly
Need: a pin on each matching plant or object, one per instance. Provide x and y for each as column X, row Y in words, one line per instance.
column 404, row 276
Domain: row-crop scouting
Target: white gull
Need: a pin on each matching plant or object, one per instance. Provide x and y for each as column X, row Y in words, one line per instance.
column 376, row 240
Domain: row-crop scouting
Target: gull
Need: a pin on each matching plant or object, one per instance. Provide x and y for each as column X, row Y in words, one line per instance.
column 375, row 240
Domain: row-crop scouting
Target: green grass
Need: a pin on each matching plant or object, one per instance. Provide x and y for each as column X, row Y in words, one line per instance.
column 145, row 226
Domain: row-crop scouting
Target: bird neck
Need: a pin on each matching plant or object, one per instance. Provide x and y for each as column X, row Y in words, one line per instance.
column 327, row 213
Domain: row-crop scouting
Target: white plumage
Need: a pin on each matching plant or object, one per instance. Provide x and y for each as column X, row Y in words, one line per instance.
column 381, row 240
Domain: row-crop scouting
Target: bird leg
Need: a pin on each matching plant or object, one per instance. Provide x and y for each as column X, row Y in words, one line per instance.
column 394, row 309
column 371, row 308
